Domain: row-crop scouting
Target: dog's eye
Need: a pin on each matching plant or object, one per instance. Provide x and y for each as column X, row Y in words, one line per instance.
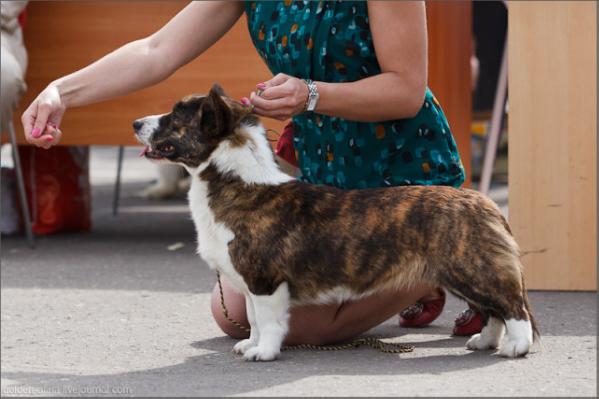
column 166, row 148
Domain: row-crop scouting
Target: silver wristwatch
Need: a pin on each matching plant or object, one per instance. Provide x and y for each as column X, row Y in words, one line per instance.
column 312, row 95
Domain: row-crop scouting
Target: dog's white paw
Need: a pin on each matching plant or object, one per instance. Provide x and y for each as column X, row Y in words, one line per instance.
column 158, row 191
column 480, row 342
column 489, row 337
column 515, row 347
column 518, row 340
column 242, row 346
column 261, row 354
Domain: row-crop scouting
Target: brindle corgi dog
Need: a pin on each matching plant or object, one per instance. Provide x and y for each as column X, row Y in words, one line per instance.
column 282, row 242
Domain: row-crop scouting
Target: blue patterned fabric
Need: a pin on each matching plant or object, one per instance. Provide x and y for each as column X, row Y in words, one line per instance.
column 331, row 42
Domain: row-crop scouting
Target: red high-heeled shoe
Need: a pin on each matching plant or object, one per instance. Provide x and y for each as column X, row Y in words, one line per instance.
column 469, row 322
column 423, row 312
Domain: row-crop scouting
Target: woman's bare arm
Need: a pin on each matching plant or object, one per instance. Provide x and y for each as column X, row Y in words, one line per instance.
column 133, row 66
column 400, row 40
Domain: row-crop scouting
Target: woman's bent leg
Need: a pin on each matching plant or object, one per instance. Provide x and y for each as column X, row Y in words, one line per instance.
column 320, row 324
column 235, row 303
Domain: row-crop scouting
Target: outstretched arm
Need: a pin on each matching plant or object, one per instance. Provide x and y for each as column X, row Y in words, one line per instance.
column 134, row 66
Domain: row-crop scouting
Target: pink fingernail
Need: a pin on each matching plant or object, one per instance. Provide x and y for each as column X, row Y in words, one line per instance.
column 36, row 132
column 261, row 85
column 245, row 100
column 49, row 138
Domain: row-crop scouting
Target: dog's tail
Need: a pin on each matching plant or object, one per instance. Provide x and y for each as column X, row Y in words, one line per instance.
column 535, row 329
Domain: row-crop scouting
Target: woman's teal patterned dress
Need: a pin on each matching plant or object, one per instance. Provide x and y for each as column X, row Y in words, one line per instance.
column 330, row 41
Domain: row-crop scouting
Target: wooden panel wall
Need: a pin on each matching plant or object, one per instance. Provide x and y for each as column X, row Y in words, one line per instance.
column 450, row 46
column 553, row 141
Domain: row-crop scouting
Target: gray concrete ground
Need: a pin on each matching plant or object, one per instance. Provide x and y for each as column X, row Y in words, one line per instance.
column 115, row 312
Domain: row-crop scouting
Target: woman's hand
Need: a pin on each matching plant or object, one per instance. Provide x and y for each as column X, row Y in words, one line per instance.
column 280, row 98
column 42, row 118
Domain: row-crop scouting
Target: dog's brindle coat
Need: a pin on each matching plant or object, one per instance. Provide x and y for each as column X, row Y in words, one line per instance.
column 285, row 242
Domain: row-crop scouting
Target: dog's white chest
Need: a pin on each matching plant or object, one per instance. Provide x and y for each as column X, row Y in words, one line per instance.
column 213, row 237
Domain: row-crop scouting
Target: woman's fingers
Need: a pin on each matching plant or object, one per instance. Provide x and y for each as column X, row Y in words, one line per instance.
column 276, row 80
column 269, row 105
column 281, row 97
column 42, row 118
column 34, row 130
column 52, row 136
column 28, row 119
column 46, row 137
column 277, row 87
column 274, row 92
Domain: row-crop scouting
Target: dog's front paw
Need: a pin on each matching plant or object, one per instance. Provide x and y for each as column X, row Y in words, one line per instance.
column 261, row 354
column 515, row 347
column 480, row 342
column 242, row 346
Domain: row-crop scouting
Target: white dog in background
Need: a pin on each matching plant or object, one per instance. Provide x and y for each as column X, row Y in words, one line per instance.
column 172, row 181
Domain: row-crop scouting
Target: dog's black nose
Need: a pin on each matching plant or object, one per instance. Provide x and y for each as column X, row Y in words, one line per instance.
column 137, row 125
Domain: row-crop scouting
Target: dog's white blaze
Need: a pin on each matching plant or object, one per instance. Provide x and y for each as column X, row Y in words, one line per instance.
column 518, row 339
column 148, row 127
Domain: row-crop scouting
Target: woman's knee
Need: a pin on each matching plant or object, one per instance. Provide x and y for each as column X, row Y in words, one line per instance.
column 235, row 304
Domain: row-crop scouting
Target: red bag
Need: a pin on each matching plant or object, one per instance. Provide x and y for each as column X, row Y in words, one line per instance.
column 58, row 189
column 285, row 145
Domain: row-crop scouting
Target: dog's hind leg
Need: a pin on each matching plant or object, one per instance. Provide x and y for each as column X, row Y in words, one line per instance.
column 271, row 313
column 488, row 274
column 242, row 346
column 498, row 291
column 504, row 300
column 489, row 337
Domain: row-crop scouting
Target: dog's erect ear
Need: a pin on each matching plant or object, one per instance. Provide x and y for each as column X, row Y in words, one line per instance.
column 216, row 115
column 216, row 88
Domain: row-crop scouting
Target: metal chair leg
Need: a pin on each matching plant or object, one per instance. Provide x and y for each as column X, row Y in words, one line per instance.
column 117, row 184
column 21, row 185
column 496, row 125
